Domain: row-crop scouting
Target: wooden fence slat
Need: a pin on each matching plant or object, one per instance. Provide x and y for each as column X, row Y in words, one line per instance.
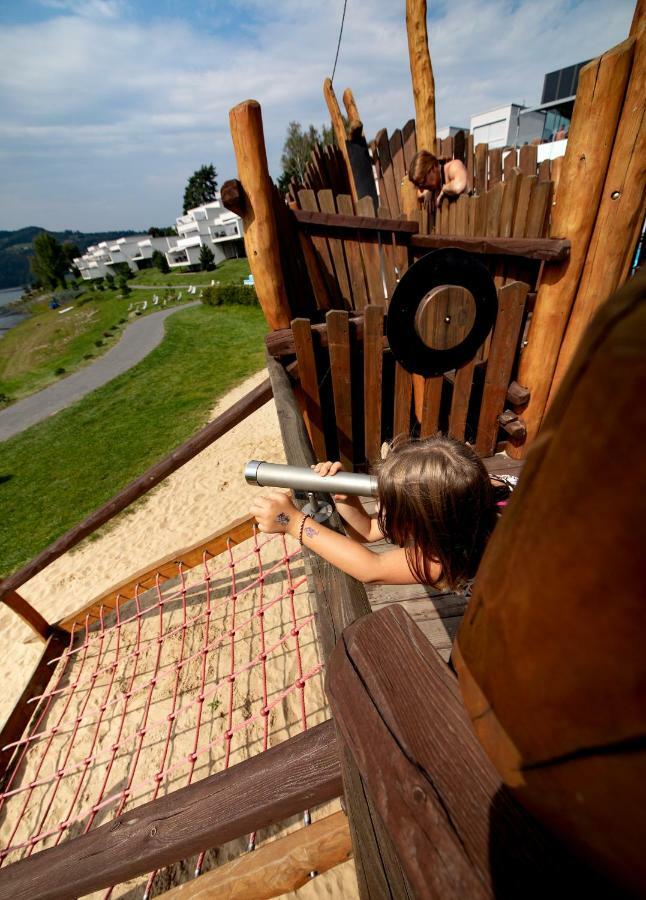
column 460, row 400
column 480, row 219
column 397, row 156
column 307, row 374
column 353, row 256
column 339, row 349
column 494, row 205
column 509, row 201
column 326, row 204
column 495, row 166
column 389, row 261
column 267, row 788
column 469, row 162
column 388, row 172
column 444, row 216
column 539, row 206
column 409, row 140
column 528, row 159
column 461, row 209
column 402, row 401
column 480, row 173
column 459, row 146
column 511, row 305
column 323, row 223
column 431, row 405
column 510, row 160
column 307, row 200
column 371, row 255
column 372, row 368
column 544, row 170
column 452, row 228
column 525, row 191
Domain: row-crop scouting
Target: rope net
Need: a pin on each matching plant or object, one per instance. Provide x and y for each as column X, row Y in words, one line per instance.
column 182, row 682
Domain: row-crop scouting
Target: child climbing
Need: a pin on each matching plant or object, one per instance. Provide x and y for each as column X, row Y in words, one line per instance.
column 436, row 505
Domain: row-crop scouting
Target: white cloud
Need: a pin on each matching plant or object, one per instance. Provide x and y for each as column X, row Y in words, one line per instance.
column 97, row 105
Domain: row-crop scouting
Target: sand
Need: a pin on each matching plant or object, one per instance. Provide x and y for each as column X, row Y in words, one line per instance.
column 202, row 497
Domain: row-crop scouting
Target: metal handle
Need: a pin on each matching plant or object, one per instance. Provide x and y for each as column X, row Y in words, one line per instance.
column 300, row 478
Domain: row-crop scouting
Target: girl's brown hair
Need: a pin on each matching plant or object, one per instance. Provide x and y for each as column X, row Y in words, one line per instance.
column 436, row 501
column 421, row 166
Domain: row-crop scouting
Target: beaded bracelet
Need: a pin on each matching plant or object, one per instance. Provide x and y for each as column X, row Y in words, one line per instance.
column 300, row 530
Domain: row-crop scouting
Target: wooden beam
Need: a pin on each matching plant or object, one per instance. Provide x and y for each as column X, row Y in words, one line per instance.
column 164, row 569
column 355, row 126
column 21, row 714
column 339, row 130
column 599, row 99
column 330, row 222
column 261, row 236
column 140, row 486
column 275, row 868
column 30, row 616
column 267, row 788
column 620, row 216
column 421, row 72
column 532, row 248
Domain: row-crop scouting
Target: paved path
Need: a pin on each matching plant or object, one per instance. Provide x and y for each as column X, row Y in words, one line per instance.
column 137, row 341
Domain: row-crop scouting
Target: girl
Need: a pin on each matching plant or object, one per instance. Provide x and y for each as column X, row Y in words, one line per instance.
column 437, row 178
column 435, row 504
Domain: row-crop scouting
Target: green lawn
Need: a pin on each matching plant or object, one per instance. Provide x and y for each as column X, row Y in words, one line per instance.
column 57, row 472
column 232, row 271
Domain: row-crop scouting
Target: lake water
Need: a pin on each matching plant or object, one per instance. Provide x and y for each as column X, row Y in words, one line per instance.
column 9, row 318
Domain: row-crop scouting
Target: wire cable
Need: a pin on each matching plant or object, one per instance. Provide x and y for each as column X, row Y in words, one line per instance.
column 338, row 46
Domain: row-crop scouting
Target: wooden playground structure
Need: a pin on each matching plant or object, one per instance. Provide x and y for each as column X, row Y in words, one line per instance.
column 524, row 773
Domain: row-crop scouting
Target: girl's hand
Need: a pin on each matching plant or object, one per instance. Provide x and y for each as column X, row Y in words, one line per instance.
column 331, row 468
column 275, row 513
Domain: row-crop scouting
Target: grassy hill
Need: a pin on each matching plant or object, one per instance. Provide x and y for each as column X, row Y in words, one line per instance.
column 16, row 249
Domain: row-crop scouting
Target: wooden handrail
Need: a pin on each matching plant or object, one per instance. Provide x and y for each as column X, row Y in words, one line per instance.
column 550, row 249
column 340, row 222
column 165, row 568
column 295, row 775
column 140, row 486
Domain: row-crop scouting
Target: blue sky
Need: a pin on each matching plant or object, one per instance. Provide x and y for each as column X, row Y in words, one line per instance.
column 107, row 106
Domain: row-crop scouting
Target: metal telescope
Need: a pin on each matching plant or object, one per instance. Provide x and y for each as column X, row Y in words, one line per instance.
column 304, row 480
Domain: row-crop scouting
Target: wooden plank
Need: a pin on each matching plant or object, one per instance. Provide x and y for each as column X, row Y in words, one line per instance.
column 302, row 300
column 495, row 166
column 533, row 248
column 397, row 156
column 452, row 227
column 544, row 170
column 366, row 221
column 387, row 172
column 510, row 160
column 308, row 377
column 528, row 159
column 371, row 256
column 494, row 205
column 140, row 486
column 340, row 600
column 389, row 261
column 480, row 217
column 308, row 201
column 460, row 400
column 25, row 611
column 469, row 161
column 24, row 709
column 525, row 191
column 539, row 206
column 402, row 400
column 461, row 208
column 353, row 256
column 509, row 201
column 340, row 133
column 502, row 353
column 326, row 204
column 409, row 140
column 275, row 868
column 263, row 790
column 372, row 369
column 457, row 830
column 339, row 347
column 480, row 173
column 431, row 405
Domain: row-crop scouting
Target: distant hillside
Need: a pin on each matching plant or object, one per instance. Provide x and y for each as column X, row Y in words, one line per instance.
column 16, row 250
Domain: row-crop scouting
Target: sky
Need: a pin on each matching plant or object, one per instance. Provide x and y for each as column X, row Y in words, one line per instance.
column 108, row 106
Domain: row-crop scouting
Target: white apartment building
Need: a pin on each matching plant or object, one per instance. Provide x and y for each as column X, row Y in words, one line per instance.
column 209, row 225
column 504, row 126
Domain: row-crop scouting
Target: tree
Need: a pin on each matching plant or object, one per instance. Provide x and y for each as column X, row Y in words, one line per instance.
column 297, row 150
column 160, row 262
column 207, row 259
column 201, row 187
column 49, row 263
column 169, row 231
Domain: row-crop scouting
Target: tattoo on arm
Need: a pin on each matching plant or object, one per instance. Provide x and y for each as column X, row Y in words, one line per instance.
column 310, row 532
column 282, row 518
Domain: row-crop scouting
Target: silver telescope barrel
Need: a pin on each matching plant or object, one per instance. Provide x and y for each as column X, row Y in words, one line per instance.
column 303, row 479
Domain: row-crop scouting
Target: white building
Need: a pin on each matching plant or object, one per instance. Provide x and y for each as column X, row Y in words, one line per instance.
column 504, row 126
column 447, row 131
column 210, row 225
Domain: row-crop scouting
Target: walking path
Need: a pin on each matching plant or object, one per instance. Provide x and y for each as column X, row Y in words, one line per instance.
column 137, row 341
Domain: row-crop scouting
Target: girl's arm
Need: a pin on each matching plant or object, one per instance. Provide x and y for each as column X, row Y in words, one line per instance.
column 275, row 513
column 360, row 525
column 456, row 179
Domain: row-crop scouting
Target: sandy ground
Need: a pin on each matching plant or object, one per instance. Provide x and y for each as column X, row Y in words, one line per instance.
column 201, row 498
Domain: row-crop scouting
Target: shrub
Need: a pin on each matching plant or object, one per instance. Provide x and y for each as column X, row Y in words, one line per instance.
column 122, row 321
column 106, row 334
column 98, row 343
column 5, row 399
column 110, row 280
column 59, row 370
column 159, row 261
column 88, row 356
column 229, row 294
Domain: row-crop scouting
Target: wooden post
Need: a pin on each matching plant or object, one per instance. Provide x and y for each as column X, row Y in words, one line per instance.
column 355, row 126
column 421, row 72
column 639, row 18
column 620, row 215
column 30, row 616
column 600, row 95
column 261, row 235
column 339, row 130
